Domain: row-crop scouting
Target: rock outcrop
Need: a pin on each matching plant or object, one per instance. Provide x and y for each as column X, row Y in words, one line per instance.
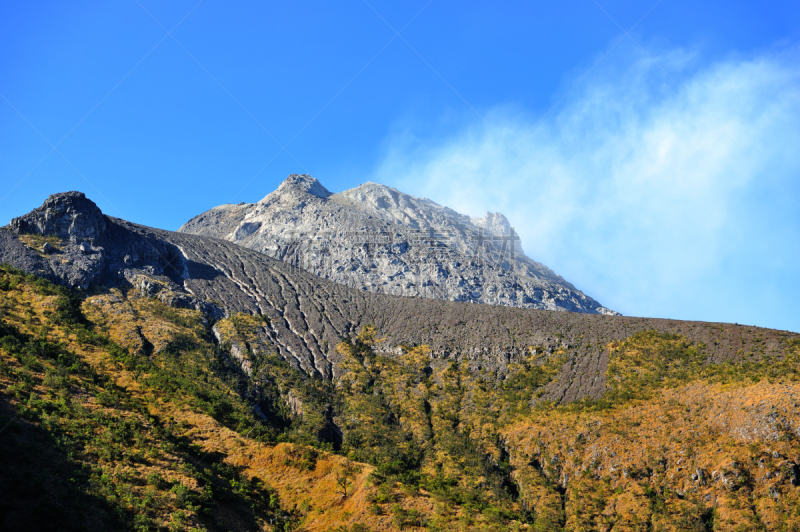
column 69, row 216
column 378, row 239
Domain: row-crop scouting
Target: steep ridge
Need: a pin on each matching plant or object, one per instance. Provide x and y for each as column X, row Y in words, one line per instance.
column 378, row 239
column 306, row 316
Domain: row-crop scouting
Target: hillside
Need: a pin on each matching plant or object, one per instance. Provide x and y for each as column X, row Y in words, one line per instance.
column 306, row 316
column 173, row 381
column 100, row 435
column 379, row 239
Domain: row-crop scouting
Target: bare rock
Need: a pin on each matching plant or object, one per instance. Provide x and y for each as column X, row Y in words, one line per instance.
column 378, row 239
column 69, row 215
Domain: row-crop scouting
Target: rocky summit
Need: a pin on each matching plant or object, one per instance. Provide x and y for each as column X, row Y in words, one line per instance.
column 378, row 239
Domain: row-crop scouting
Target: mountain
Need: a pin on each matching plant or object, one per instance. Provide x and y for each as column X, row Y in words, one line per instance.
column 378, row 239
column 153, row 380
column 306, row 316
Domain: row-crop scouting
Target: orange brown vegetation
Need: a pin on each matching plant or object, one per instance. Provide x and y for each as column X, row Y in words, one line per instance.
column 700, row 455
column 137, row 417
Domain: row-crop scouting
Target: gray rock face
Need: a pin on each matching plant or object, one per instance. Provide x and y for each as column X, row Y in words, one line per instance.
column 92, row 248
column 69, row 215
column 307, row 316
column 377, row 239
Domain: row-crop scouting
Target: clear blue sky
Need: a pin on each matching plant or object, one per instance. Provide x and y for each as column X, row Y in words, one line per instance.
column 657, row 171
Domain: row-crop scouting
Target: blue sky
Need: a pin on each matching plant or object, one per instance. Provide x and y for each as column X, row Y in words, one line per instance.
column 657, row 169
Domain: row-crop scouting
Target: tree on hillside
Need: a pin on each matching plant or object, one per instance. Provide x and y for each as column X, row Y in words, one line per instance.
column 345, row 475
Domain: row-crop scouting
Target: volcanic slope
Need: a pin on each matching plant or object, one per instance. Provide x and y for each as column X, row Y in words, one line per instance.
column 153, row 385
column 378, row 239
column 70, row 241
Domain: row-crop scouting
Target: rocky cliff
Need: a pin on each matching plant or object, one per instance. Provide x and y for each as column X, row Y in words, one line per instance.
column 378, row 239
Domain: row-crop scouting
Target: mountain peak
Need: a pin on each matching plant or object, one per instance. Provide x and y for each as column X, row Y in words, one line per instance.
column 68, row 215
column 495, row 222
column 304, row 183
column 343, row 239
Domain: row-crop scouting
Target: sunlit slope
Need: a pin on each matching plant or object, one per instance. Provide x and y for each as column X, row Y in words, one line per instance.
column 124, row 413
column 105, row 431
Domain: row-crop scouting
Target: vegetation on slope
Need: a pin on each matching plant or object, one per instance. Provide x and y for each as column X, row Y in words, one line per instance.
column 119, row 412
column 122, row 461
column 675, row 444
column 492, row 455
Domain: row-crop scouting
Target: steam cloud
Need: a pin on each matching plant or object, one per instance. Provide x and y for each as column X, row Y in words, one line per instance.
column 649, row 191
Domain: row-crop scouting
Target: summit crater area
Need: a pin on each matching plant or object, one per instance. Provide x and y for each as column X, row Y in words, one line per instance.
column 377, row 239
